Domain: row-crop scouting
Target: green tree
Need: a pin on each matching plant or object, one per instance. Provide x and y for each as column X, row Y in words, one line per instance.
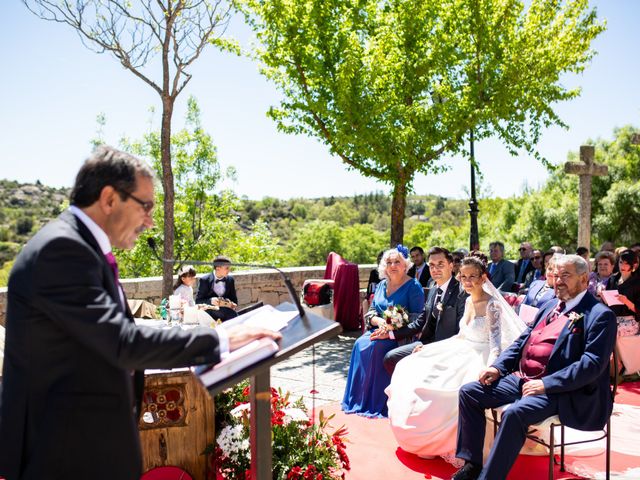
column 313, row 242
column 390, row 86
column 205, row 218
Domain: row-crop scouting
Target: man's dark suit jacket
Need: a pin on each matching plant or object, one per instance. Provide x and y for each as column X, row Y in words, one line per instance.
column 534, row 289
column 206, row 293
column 446, row 322
column 74, row 362
column 528, row 268
column 578, row 368
column 425, row 275
column 503, row 275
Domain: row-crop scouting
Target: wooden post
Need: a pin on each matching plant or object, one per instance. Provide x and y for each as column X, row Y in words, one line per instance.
column 585, row 169
column 260, row 398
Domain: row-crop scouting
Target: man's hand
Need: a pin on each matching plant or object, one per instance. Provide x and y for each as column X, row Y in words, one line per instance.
column 417, row 348
column 532, row 387
column 488, row 376
column 380, row 334
column 240, row 335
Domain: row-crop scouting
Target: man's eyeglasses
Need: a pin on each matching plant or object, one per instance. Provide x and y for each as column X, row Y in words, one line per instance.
column 522, row 249
column 146, row 206
column 537, row 257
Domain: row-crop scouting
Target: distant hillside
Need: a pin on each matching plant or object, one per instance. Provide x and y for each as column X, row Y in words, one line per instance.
column 24, row 208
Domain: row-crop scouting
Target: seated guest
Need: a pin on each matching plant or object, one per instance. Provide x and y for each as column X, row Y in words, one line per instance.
column 598, row 279
column 424, row 387
column 367, row 379
column 584, row 253
column 627, row 283
column 536, row 272
column 558, row 249
column 374, row 278
column 558, row 366
column 546, row 256
column 219, row 289
column 501, row 271
column 440, row 318
column 420, row 270
column 523, row 265
column 608, row 247
column 184, row 284
column 541, row 291
column 457, row 256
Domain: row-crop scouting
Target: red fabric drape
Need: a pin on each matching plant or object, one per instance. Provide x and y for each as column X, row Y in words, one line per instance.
column 346, row 291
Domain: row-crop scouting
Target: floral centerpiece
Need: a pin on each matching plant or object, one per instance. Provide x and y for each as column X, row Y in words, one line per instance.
column 395, row 317
column 302, row 448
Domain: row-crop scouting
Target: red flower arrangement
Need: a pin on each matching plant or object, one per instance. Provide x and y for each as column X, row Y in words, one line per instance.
column 302, row 449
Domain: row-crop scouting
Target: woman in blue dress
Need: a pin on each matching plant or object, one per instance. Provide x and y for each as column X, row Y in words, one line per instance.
column 367, row 377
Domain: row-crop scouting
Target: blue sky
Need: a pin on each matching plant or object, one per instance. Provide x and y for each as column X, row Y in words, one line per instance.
column 52, row 88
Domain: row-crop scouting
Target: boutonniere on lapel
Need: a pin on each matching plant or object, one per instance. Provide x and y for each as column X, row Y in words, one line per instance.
column 439, row 306
column 574, row 317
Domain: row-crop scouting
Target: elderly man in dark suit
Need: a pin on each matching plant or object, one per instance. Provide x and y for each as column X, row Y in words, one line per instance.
column 440, row 318
column 559, row 366
column 501, row 271
column 74, row 358
column 218, row 286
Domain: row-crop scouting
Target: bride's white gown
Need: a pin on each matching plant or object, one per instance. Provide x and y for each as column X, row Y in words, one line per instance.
column 423, row 394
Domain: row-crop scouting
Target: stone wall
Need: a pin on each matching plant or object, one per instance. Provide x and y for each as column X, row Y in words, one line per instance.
column 251, row 285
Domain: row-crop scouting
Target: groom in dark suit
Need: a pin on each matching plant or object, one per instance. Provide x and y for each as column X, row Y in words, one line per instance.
column 440, row 317
column 74, row 359
column 559, row 366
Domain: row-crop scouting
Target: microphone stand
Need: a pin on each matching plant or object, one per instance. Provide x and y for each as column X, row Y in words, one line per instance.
column 290, row 288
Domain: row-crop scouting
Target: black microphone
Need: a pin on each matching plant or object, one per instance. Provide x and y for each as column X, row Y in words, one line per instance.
column 292, row 291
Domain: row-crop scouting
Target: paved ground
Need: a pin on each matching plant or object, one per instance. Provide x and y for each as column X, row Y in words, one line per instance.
column 330, row 369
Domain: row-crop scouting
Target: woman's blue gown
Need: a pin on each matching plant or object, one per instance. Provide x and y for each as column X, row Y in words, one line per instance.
column 367, row 379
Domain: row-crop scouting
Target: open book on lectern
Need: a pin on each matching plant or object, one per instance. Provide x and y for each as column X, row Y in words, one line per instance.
column 266, row 317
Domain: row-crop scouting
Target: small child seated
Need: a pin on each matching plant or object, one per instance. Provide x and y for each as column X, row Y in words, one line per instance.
column 184, row 284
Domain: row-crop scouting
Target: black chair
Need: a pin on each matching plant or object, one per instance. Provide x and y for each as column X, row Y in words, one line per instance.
column 554, row 422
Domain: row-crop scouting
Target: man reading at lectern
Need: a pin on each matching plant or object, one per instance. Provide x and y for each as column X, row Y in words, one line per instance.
column 74, row 359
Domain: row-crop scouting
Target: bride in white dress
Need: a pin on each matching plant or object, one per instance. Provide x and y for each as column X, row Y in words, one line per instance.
column 423, row 394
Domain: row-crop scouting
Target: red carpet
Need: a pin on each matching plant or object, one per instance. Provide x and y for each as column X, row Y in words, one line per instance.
column 374, row 454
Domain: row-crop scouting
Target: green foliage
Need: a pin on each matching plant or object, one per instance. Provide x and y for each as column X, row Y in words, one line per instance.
column 4, row 273
column 204, row 217
column 391, row 86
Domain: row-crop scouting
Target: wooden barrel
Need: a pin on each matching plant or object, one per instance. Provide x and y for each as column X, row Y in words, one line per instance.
column 177, row 422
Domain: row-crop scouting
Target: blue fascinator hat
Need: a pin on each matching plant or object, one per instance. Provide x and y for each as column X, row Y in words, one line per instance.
column 404, row 251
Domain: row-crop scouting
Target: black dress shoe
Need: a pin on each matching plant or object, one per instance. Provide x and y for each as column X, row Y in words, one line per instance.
column 470, row 471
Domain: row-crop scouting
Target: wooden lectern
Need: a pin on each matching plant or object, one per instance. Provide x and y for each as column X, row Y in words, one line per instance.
column 300, row 333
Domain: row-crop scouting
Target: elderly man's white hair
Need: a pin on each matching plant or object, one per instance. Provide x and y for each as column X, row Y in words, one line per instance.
column 580, row 263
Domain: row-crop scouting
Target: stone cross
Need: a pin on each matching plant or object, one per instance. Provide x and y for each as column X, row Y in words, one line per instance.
column 586, row 169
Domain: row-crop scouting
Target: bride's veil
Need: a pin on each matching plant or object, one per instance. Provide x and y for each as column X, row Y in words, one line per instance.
column 511, row 325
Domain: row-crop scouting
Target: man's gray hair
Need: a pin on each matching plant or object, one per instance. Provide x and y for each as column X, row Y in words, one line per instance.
column 582, row 266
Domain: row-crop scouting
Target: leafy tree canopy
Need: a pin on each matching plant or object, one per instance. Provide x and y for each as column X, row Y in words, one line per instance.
column 389, row 86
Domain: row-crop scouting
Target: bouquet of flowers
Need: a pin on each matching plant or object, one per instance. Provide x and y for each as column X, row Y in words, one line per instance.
column 395, row 317
column 302, row 448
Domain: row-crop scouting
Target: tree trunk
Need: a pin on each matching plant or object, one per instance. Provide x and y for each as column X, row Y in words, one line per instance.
column 169, row 195
column 398, row 205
